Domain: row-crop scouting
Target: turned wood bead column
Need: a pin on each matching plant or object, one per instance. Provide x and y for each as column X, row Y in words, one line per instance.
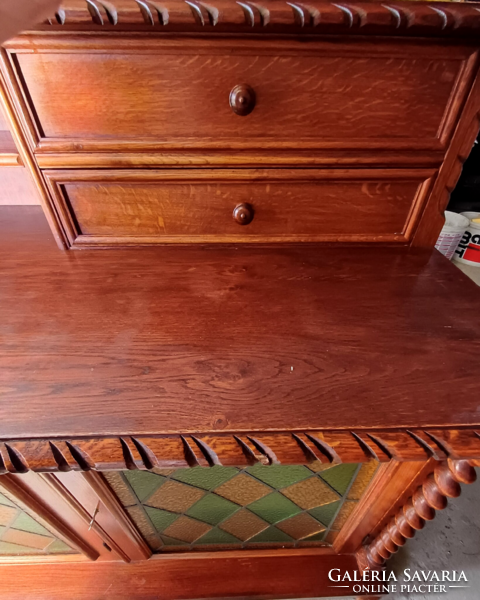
column 431, row 496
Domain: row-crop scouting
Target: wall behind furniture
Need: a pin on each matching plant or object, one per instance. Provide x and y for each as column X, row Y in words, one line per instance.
column 16, row 185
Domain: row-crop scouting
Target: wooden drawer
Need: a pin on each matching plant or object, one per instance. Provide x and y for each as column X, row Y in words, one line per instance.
column 148, row 207
column 158, row 94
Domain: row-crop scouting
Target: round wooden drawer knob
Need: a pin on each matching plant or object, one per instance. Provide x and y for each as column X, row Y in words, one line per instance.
column 243, row 214
column 242, row 99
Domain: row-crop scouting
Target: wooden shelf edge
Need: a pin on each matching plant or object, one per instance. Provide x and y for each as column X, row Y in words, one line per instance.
column 10, row 160
column 147, row 452
column 300, row 573
column 368, row 18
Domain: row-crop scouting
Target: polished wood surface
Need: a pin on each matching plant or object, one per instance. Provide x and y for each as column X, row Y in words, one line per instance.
column 55, row 513
column 84, row 91
column 259, row 574
column 433, row 217
column 102, row 93
column 200, row 339
column 135, row 207
column 393, row 484
column 102, row 512
column 242, row 99
column 143, row 124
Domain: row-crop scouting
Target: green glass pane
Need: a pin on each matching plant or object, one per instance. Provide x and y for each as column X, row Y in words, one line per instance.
column 274, row 507
column 217, row 536
column 212, row 509
column 325, row 513
column 5, row 501
column 143, row 483
column 279, row 476
column 340, row 477
column 161, row 519
column 277, row 497
column 25, row 522
column 272, row 534
column 207, row 478
column 168, row 541
column 59, row 547
column 7, row 548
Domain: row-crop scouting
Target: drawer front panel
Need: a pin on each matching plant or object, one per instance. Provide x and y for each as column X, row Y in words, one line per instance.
column 132, row 207
column 307, row 95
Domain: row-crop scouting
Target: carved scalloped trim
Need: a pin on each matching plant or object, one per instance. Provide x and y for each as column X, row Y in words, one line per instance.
column 235, row 449
column 396, row 18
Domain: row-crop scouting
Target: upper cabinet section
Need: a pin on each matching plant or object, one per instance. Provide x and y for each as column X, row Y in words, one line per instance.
column 181, row 95
column 169, row 101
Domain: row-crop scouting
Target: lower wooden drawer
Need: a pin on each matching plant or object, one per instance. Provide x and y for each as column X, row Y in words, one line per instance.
column 185, row 205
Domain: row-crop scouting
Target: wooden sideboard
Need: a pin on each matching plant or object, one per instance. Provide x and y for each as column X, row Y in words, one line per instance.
column 148, row 123
column 246, row 365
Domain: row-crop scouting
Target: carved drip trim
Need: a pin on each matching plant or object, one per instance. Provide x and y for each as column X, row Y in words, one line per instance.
column 149, row 452
column 431, row 496
column 396, row 18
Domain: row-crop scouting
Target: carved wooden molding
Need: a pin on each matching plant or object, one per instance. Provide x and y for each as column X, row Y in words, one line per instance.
column 431, row 496
column 167, row 451
column 396, row 18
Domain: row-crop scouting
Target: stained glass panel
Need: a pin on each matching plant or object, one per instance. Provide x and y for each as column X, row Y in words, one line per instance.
column 226, row 507
column 21, row 534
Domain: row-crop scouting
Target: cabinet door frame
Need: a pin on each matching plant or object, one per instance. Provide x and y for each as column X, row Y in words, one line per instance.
column 60, row 514
column 398, row 488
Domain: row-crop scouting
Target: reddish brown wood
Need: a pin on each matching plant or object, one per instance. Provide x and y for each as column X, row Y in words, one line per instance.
column 201, row 158
column 243, row 213
column 174, row 357
column 242, row 99
column 144, row 207
column 443, row 483
column 233, row 449
column 397, row 18
column 433, row 219
column 392, row 485
column 93, row 110
column 57, row 514
column 453, row 444
column 253, row 574
column 110, row 523
column 319, row 101
column 89, row 516
column 171, row 322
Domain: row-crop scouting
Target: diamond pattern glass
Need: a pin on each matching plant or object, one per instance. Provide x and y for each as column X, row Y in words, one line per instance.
column 21, row 534
column 174, row 496
column 244, row 525
column 227, row 507
column 301, row 526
